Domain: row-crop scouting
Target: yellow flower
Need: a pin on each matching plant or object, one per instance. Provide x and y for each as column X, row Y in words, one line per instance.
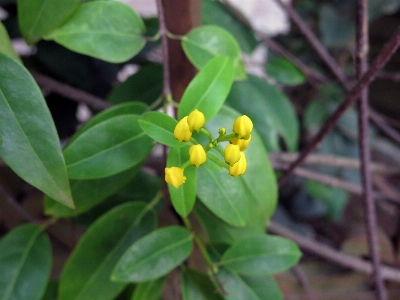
column 182, row 131
column 241, row 143
column 197, row 155
column 196, row 120
column 174, row 176
column 232, row 154
column 240, row 167
column 242, row 127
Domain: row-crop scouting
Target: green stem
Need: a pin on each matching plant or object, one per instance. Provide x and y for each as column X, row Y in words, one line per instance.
column 226, row 138
column 175, row 36
column 171, row 101
column 186, row 164
column 207, row 133
column 155, row 104
column 218, row 162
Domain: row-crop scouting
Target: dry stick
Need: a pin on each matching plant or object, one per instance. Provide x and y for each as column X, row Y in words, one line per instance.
column 382, row 124
column 345, row 260
column 70, row 92
column 377, row 65
column 304, row 282
column 369, row 201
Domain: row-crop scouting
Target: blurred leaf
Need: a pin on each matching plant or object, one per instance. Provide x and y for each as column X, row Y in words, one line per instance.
column 261, row 255
column 38, row 18
column 336, row 30
column 271, row 111
column 284, row 71
column 149, row 290
column 160, row 127
column 133, row 108
column 206, row 42
column 154, row 255
column 86, row 274
column 89, row 193
column 51, row 291
column 30, row 143
column 107, row 148
column 198, row 286
column 98, row 26
column 25, row 263
column 208, row 90
column 214, row 13
column 144, row 86
column 6, row 46
column 249, row 287
column 182, row 198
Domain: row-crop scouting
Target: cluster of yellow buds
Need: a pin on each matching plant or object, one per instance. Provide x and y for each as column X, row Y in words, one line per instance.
column 233, row 154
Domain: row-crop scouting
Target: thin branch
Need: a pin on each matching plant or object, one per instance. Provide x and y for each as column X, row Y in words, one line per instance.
column 164, row 44
column 70, row 92
column 365, row 154
column 383, row 125
column 332, row 161
column 321, row 250
column 390, row 76
column 380, row 61
column 316, row 44
column 304, row 282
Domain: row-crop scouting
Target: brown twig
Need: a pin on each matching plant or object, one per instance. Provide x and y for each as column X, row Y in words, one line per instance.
column 380, row 61
column 304, row 282
column 70, row 92
column 321, row 250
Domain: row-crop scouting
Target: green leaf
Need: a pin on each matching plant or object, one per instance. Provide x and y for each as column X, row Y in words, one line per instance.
column 5, row 43
column 208, row 90
column 284, row 71
column 25, row 263
column 249, row 287
column 271, row 111
column 38, row 18
column 261, row 255
column 89, row 193
column 182, row 198
column 107, row 148
column 214, row 13
column 160, row 127
column 144, row 86
column 197, row 286
column 134, row 108
column 256, row 189
column 149, row 290
column 206, row 42
column 86, row 274
column 154, row 255
column 108, row 30
column 30, row 143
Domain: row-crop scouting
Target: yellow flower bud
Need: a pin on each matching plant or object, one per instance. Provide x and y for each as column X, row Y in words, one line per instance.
column 174, row 176
column 232, row 154
column 242, row 127
column 182, row 131
column 240, row 167
column 241, row 143
column 222, row 131
column 197, row 155
column 196, row 120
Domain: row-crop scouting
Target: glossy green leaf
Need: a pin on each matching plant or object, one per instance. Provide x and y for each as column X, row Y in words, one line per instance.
column 160, row 127
column 206, row 42
column 261, row 255
column 144, row 86
column 25, row 263
column 284, row 71
column 108, row 30
column 38, row 18
column 107, row 148
column 240, row 287
column 256, row 189
column 89, row 193
column 270, row 110
column 86, row 274
column 5, row 43
column 149, row 290
column 30, row 143
column 154, row 255
column 182, row 198
column 198, row 286
column 214, row 13
column 208, row 90
column 133, row 108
